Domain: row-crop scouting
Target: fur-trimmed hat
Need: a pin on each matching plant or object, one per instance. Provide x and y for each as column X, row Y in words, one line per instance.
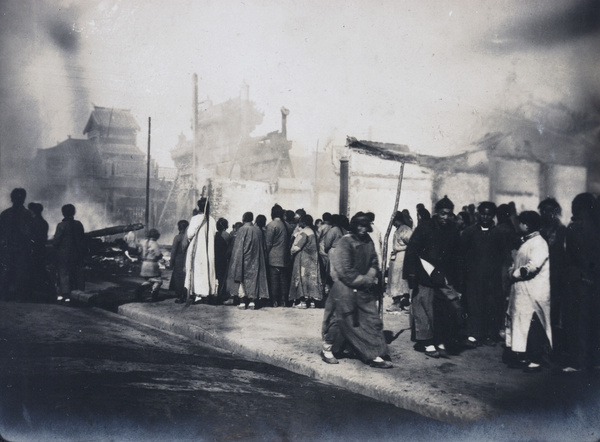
column 444, row 203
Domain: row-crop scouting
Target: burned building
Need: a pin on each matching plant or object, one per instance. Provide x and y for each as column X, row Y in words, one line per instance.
column 225, row 154
column 523, row 163
column 105, row 171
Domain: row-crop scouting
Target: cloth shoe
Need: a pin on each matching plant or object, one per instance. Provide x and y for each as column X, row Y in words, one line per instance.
column 327, row 356
column 471, row 342
column 431, row 351
column 442, row 352
column 395, row 307
column 380, row 363
column 532, row 368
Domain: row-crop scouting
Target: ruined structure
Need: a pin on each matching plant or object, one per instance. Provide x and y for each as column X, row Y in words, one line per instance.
column 525, row 164
column 105, row 172
column 241, row 171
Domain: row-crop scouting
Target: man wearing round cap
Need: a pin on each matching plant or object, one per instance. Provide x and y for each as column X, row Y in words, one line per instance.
column 351, row 316
column 432, row 271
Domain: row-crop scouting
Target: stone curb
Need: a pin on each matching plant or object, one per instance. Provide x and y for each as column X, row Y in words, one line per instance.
column 364, row 380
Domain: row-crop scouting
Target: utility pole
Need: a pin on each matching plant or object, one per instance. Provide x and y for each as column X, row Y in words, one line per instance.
column 195, row 137
column 148, row 177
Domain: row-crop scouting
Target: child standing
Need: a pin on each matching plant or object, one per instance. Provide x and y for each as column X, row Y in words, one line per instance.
column 150, row 254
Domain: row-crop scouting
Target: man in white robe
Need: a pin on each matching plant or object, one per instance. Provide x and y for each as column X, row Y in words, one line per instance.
column 200, row 279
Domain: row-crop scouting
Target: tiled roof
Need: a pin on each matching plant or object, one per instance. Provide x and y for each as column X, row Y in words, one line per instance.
column 72, row 148
column 111, row 117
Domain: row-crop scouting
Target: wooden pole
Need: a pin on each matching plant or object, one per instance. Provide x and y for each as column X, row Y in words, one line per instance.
column 386, row 239
column 344, row 185
column 148, row 177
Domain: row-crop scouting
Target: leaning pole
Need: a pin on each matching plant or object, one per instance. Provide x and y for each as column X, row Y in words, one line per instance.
column 386, row 239
column 148, row 179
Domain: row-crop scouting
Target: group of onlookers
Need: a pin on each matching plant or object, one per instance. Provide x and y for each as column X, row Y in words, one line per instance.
column 485, row 276
column 282, row 263
column 524, row 280
column 23, row 253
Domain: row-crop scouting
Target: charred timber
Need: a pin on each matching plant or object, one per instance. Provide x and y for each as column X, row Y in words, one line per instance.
column 115, row 230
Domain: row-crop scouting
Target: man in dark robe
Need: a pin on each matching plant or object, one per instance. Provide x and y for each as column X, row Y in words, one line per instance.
column 178, row 255
column 582, row 311
column 431, row 269
column 351, row 315
column 15, row 248
column 39, row 238
column 278, row 257
column 222, row 240
column 555, row 234
column 247, row 270
column 324, row 228
column 481, row 250
column 327, row 243
column 69, row 242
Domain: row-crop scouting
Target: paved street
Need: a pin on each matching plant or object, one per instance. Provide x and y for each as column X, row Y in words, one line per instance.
column 85, row 374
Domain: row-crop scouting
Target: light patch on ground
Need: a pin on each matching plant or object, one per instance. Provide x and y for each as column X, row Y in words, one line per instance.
column 178, row 384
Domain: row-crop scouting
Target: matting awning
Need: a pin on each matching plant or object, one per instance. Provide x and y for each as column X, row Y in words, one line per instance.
column 390, row 152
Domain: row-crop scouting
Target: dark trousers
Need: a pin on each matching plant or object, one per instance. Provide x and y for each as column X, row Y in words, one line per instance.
column 71, row 277
column 483, row 302
column 279, row 285
column 448, row 316
column 15, row 272
column 330, row 330
column 581, row 325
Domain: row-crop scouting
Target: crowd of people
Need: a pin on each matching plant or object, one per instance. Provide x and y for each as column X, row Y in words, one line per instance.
column 23, row 238
column 490, row 276
column 484, row 276
column 280, row 263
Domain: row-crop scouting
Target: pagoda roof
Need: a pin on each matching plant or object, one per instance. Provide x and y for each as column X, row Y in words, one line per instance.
column 109, row 117
column 72, row 148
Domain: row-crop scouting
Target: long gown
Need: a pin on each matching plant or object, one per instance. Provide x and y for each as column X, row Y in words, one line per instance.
column 351, row 314
column 200, row 277
column 248, row 265
column 397, row 285
column 529, row 296
column 306, row 274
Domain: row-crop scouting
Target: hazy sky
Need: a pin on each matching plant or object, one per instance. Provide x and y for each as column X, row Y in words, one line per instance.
column 434, row 75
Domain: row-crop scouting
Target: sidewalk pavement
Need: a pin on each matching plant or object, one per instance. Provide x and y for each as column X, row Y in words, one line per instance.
column 470, row 387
